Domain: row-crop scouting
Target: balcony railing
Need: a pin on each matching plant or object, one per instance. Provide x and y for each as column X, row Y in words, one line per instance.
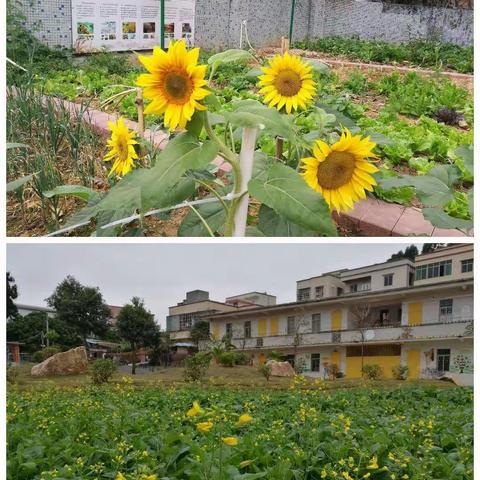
column 401, row 333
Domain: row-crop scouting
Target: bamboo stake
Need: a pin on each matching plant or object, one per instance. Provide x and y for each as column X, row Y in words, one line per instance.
column 247, row 155
column 141, row 116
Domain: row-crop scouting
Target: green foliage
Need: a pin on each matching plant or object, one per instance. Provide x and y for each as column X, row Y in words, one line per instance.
column 45, row 353
column 227, row 359
column 196, row 366
column 200, row 331
column 12, row 294
column 427, row 54
column 12, row 373
column 102, row 370
column 266, row 371
column 372, row 371
column 70, row 433
column 81, row 307
column 400, row 372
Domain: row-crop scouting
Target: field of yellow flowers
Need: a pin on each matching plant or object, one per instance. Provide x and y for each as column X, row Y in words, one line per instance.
column 120, row 432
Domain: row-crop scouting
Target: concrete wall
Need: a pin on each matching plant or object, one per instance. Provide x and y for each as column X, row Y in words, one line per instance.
column 218, row 22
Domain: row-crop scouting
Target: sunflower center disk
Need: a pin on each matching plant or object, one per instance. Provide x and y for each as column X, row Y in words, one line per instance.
column 178, row 86
column 336, row 170
column 122, row 148
column 288, row 83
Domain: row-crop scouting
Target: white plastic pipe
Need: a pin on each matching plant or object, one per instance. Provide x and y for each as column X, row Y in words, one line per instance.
column 247, row 156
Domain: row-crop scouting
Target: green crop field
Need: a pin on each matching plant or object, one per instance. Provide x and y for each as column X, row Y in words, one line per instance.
column 121, row 431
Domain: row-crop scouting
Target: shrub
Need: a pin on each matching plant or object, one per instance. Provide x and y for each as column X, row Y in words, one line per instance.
column 12, row 373
column 227, row 359
column 300, row 365
column 242, row 358
column 273, row 355
column 372, row 372
column 102, row 370
column 333, row 371
column 400, row 372
column 42, row 355
column 196, row 366
column 266, row 371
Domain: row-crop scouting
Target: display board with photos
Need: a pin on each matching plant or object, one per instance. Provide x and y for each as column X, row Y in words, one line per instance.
column 128, row 25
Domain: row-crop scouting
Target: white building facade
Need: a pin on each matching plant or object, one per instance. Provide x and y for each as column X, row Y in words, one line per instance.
column 416, row 314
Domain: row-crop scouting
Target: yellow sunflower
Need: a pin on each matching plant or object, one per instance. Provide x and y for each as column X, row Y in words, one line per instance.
column 174, row 83
column 122, row 150
column 287, row 82
column 341, row 173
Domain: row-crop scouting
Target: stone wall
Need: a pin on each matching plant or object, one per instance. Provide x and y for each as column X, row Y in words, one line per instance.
column 394, row 23
column 218, row 22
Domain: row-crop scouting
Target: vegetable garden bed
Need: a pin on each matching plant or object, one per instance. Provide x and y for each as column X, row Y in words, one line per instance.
column 422, row 126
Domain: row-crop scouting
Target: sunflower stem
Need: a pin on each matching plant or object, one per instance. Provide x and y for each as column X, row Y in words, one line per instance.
column 231, row 158
column 247, row 157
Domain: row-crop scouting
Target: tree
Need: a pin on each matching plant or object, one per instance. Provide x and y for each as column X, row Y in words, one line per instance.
column 200, row 331
column 431, row 247
column 12, row 294
column 137, row 326
column 410, row 252
column 81, row 308
column 362, row 321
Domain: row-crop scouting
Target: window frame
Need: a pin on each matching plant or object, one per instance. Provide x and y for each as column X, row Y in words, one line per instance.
column 247, row 326
column 388, row 280
column 317, row 321
column 317, row 359
column 303, row 294
column 290, row 319
column 443, row 358
column 468, row 263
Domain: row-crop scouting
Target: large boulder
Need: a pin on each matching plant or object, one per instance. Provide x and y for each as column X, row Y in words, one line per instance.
column 280, row 369
column 71, row 362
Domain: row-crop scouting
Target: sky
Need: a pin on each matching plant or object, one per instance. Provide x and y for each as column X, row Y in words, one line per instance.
column 162, row 273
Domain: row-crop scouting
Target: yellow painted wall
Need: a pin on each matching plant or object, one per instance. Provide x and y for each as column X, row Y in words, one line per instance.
column 261, row 359
column 337, row 320
column 354, row 365
column 413, row 363
column 274, row 326
column 262, row 327
column 216, row 331
column 415, row 313
column 335, row 358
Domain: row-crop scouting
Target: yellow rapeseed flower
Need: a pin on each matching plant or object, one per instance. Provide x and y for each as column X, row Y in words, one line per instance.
column 204, row 427
column 287, row 82
column 174, row 83
column 195, row 410
column 120, row 476
column 373, row 465
column 245, row 463
column 244, row 419
column 122, row 151
column 231, row 441
column 341, row 172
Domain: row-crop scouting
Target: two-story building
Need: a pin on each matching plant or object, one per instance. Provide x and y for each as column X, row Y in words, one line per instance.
column 418, row 314
column 197, row 306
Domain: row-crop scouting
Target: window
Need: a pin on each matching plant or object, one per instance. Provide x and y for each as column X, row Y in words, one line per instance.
column 319, row 292
column 390, row 350
column 315, row 362
column 467, row 265
column 443, row 359
column 446, row 310
column 247, row 329
column 388, row 280
column 187, row 320
column 384, row 317
column 303, row 294
column 433, row 270
column 360, row 286
column 228, row 329
column 290, row 325
column 259, row 342
column 316, row 323
column 290, row 359
column 339, row 291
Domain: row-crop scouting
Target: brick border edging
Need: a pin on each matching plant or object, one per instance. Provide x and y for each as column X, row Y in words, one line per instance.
column 371, row 216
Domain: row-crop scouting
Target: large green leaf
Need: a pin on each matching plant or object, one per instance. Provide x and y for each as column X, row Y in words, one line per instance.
column 161, row 186
column 285, row 191
column 318, row 66
column 19, row 182
column 253, row 114
column 270, row 224
column 465, row 152
column 432, row 190
column 229, row 56
column 341, row 119
column 213, row 213
column 441, row 219
column 78, row 191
